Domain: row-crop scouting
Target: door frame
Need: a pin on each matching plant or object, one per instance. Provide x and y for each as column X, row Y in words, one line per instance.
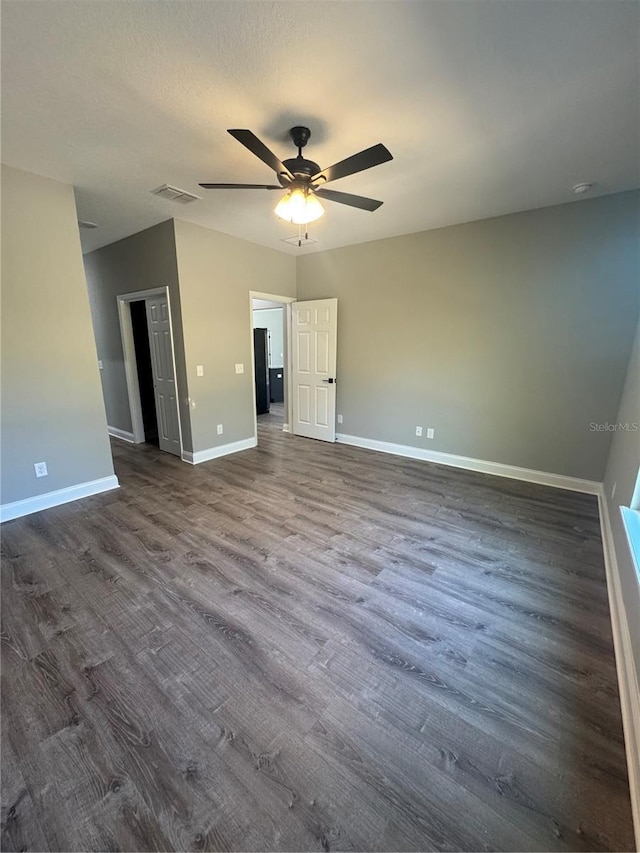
column 130, row 361
column 286, row 302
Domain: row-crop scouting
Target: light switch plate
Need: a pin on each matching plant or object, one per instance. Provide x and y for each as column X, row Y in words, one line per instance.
column 239, row 368
column 100, row 364
column 199, row 370
column 220, row 429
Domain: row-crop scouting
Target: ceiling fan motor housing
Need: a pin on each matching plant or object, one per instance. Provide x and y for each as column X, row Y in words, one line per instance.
column 299, row 166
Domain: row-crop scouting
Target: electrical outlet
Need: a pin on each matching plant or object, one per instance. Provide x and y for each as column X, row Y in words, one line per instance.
column 199, row 370
column 431, row 433
column 339, row 419
column 41, row 469
column 220, row 429
column 239, row 368
column 418, row 431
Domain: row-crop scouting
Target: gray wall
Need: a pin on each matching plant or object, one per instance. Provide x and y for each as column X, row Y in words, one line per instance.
column 52, row 408
column 216, row 274
column 273, row 320
column 622, row 471
column 509, row 336
column 209, row 276
column 141, row 262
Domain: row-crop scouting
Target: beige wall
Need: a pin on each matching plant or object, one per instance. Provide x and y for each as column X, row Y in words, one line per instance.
column 216, row 274
column 52, row 408
column 144, row 261
column 509, row 336
column 622, row 471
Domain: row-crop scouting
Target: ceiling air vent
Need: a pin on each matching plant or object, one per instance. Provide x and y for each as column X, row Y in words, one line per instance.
column 175, row 194
column 299, row 241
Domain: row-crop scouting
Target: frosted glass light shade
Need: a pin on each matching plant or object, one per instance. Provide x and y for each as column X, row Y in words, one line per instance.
column 299, row 207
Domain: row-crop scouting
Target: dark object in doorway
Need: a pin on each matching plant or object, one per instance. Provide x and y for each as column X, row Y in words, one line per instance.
column 261, row 357
column 276, row 384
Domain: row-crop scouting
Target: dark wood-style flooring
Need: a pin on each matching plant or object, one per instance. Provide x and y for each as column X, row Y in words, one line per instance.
column 309, row 647
column 274, row 417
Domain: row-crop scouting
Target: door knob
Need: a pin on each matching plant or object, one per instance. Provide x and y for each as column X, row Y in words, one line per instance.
column 330, row 381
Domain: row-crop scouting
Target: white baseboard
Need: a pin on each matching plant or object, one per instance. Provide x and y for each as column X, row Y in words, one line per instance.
column 215, row 452
column 121, row 433
column 286, row 428
column 627, row 675
column 529, row 475
column 16, row 509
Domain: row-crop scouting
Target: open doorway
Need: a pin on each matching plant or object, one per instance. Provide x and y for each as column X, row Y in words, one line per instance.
column 144, row 371
column 147, row 343
column 270, row 321
column 268, row 349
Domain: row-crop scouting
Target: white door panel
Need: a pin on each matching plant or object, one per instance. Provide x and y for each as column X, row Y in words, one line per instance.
column 314, row 326
column 322, row 407
column 322, row 353
column 304, row 348
column 304, row 404
column 163, row 427
column 164, row 382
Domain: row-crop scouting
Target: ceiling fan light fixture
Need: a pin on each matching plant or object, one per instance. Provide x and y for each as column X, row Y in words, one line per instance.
column 299, row 207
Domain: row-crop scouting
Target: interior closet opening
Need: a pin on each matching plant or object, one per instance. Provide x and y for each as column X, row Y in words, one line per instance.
column 144, row 370
column 147, row 346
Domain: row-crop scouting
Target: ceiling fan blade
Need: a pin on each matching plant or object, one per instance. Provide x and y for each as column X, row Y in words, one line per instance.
column 251, row 141
column 241, row 186
column 352, row 200
column 373, row 156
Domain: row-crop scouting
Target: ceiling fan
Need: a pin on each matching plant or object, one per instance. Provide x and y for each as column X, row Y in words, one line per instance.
column 304, row 180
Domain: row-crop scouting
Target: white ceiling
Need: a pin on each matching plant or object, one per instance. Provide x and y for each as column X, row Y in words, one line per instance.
column 488, row 106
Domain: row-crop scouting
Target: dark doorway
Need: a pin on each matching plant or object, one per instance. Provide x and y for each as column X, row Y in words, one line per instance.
column 145, row 371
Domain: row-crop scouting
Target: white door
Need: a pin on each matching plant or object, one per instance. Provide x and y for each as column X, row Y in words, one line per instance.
column 314, row 328
column 164, row 381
